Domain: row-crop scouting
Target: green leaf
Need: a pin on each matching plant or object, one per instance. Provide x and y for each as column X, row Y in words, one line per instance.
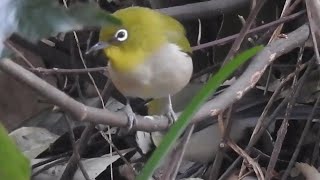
column 37, row 19
column 205, row 92
column 42, row 18
column 13, row 164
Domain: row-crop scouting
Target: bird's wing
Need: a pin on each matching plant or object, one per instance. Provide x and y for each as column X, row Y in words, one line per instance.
column 176, row 33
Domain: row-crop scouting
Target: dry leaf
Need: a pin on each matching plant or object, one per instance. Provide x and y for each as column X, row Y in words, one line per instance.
column 310, row 172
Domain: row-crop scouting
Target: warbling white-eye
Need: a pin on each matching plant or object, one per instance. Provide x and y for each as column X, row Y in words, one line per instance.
column 148, row 55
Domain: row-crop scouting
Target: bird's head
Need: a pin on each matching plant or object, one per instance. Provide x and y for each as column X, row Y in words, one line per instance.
column 142, row 33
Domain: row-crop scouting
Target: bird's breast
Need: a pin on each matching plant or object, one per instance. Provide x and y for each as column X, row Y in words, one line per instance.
column 163, row 73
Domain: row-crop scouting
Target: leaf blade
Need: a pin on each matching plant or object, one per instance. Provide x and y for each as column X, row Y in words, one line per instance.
column 13, row 164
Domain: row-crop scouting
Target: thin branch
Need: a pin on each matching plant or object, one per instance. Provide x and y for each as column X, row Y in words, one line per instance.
column 258, row 128
column 292, row 7
column 296, row 87
column 48, row 166
column 80, row 145
column 301, row 140
column 98, row 92
column 171, row 167
column 244, row 30
column 272, row 99
column 204, row 9
column 185, row 140
column 75, row 148
column 256, row 167
column 44, row 71
column 315, row 153
column 83, row 170
column 51, row 159
column 260, row 131
column 104, row 135
column 225, row 129
column 313, row 29
column 283, row 13
column 19, row 53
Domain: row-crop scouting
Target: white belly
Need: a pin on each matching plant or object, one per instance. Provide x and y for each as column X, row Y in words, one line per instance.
column 165, row 73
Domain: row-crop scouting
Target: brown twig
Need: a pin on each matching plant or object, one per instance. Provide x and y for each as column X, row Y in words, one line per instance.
column 48, row 166
column 172, row 166
column 184, row 141
column 244, row 30
column 51, row 159
column 273, row 98
column 254, row 140
column 256, row 167
column 262, row 128
column 44, row 71
column 204, row 9
column 292, row 7
column 258, row 128
column 296, row 87
column 19, row 53
column 83, row 170
column 285, row 11
column 315, row 153
column 118, row 152
column 80, row 145
column 301, row 140
column 75, row 148
column 313, row 29
column 225, row 128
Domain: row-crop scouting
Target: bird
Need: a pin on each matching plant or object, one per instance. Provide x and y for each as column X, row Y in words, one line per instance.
column 149, row 56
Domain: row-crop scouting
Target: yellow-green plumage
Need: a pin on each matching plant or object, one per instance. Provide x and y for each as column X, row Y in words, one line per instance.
column 148, row 30
column 148, row 54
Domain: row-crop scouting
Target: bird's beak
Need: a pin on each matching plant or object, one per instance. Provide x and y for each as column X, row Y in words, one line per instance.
column 98, row 46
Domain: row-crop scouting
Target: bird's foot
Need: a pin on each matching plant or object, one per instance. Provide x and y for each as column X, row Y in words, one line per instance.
column 131, row 120
column 170, row 114
column 131, row 116
column 172, row 117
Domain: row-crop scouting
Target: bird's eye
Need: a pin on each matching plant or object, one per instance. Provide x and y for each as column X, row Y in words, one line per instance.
column 121, row 35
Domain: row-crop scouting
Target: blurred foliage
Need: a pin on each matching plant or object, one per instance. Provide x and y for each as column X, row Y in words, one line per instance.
column 36, row 19
column 13, row 164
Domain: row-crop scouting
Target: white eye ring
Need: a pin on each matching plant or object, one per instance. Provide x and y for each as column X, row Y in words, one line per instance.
column 121, row 35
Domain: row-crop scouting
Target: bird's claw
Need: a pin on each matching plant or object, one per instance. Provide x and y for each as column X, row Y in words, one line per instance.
column 171, row 115
column 131, row 121
column 131, row 116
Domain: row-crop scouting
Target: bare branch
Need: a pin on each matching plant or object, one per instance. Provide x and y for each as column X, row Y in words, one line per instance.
column 204, row 9
column 44, row 71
